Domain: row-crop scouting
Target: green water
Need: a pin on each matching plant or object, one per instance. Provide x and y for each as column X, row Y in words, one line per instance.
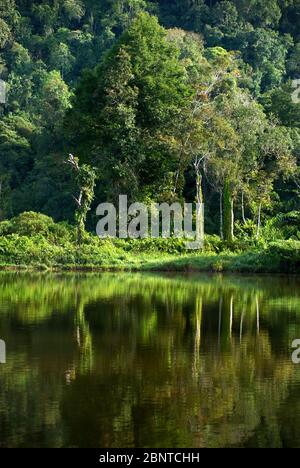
column 120, row 360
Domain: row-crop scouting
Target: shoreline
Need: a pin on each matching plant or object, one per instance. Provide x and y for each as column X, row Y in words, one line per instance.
column 200, row 264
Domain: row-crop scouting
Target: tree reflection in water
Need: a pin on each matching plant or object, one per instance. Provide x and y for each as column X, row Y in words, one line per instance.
column 121, row 360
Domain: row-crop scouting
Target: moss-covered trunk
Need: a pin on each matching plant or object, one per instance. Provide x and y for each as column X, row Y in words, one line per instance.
column 228, row 212
column 221, row 216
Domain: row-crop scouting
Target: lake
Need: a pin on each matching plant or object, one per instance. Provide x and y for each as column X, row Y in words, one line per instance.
column 139, row 360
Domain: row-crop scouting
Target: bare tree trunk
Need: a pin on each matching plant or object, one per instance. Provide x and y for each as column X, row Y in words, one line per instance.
column 199, row 198
column 199, row 194
column 176, row 181
column 221, row 216
column 243, row 208
column 92, row 22
column 259, row 221
column 80, row 223
column 228, row 212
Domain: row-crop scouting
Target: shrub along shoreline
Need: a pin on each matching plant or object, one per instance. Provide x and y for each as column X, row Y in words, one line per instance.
column 33, row 241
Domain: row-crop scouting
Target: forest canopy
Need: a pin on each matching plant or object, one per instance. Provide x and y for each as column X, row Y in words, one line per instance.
column 166, row 100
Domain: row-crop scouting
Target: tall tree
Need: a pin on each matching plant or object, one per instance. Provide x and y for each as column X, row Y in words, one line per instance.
column 125, row 111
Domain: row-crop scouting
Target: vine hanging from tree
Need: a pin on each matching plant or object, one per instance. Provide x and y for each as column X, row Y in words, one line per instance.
column 86, row 180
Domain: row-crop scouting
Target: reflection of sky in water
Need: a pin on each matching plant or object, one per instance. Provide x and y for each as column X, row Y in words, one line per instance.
column 149, row 361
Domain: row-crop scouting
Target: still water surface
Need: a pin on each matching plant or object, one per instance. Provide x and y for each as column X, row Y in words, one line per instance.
column 121, row 360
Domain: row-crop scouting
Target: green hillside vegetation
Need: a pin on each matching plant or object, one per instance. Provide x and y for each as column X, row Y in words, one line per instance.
column 165, row 101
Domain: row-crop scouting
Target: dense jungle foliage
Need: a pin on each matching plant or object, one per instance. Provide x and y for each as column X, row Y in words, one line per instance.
column 161, row 100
